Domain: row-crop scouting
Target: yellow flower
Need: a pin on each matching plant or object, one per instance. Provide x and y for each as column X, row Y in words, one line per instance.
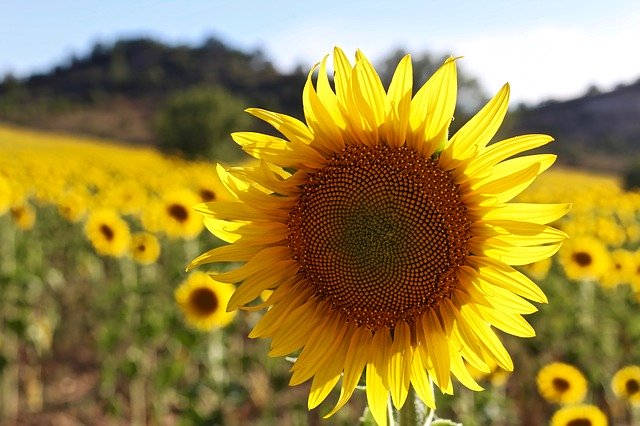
column 5, row 195
column 145, row 248
column 72, row 206
column 24, row 215
column 388, row 245
column 626, row 384
column 622, row 268
column 561, row 383
column 179, row 219
column 579, row 415
column 108, row 232
column 584, row 258
column 203, row 301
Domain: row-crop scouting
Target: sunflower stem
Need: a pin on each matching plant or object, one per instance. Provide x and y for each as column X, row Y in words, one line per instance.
column 408, row 415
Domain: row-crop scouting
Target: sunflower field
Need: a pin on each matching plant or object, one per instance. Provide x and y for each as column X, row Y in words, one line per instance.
column 101, row 324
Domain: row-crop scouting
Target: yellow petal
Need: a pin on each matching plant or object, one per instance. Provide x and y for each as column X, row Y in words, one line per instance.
column 510, row 323
column 477, row 132
column 400, row 364
column 270, row 278
column 421, row 383
column 506, row 187
column 376, row 379
column 432, row 109
column 295, row 330
column 528, row 212
column 292, row 128
column 354, row 364
column 437, row 347
column 261, row 261
column 398, row 103
column 502, row 275
column 502, row 150
column 509, row 254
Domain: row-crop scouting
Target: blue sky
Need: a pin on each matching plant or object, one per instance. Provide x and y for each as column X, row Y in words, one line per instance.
column 545, row 49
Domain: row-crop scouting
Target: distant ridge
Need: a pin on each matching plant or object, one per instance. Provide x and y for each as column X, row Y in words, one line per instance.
column 116, row 90
column 600, row 131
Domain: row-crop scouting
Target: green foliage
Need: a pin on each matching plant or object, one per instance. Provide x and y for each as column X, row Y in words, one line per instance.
column 197, row 122
column 631, row 179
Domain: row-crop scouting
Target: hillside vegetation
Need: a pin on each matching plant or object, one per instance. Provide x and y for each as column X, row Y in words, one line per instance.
column 123, row 91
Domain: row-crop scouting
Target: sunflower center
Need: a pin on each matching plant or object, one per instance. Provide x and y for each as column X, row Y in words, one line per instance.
column 107, row 232
column 632, row 387
column 203, row 301
column 141, row 247
column 579, row 422
column 178, row 212
column 561, row 385
column 206, row 194
column 380, row 233
column 582, row 258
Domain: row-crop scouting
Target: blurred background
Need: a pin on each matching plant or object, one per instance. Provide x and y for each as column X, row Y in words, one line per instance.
column 113, row 115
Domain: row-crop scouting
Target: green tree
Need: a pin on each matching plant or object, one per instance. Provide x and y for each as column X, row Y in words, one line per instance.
column 197, row 122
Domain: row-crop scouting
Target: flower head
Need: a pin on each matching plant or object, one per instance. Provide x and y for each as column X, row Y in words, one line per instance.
column 108, row 232
column 579, row 415
column 203, row 301
column 388, row 244
column 179, row 219
column 23, row 215
column 561, row 383
column 626, row 384
column 585, row 258
column 145, row 248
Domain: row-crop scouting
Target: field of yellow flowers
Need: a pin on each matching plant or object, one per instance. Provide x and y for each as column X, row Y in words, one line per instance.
column 98, row 324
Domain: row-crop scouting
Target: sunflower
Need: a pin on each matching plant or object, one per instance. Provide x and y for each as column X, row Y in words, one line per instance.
column 108, row 232
column 179, row 219
column 5, row 195
column 72, row 206
column 561, row 383
column 145, row 248
column 584, row 258
column 23, row 215
column 579, row 415
column 388, row 244
column 626, row 384
column 622, row 268
column 203, row 301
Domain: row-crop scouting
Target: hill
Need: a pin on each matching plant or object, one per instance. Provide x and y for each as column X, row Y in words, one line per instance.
column 116, row 92
column 598, row 131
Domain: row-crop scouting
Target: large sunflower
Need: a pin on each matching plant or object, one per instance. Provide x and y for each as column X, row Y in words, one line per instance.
column 388, row 244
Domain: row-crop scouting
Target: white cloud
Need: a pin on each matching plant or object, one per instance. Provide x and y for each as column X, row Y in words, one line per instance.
column 541, row 61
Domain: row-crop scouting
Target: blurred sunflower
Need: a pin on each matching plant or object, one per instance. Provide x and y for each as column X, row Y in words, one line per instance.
column 579, row 415
column 72, row 206
column 145, row 248
column 108, row 232
column 203, row 301
column 23, row 215
column 622, row 269
column 179, row 219
column 561, row 383
column 387, row 244
column 584, row 258
column 5, row 195
column 626, row 384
